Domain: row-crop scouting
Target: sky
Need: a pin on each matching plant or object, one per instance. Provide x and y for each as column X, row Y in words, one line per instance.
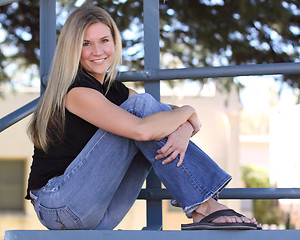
column 260, row 91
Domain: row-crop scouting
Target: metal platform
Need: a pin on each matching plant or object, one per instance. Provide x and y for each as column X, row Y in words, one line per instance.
column 150, row 235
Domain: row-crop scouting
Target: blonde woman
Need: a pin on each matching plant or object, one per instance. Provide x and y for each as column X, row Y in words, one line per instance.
column 96, row 140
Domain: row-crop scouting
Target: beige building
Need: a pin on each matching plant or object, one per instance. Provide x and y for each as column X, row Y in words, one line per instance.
column 15, row 159
column 219, row 137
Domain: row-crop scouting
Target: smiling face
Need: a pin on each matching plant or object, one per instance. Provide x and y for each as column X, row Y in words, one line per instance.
column 98, row 50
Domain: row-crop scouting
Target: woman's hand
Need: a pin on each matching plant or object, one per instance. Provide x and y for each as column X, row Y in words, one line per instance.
column 195, row 122
column 176, row 145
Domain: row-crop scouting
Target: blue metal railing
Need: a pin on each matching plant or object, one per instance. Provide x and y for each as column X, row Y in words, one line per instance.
column 152, row 74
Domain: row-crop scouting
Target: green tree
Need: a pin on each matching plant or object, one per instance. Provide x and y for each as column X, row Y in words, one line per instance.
column 265, row 211
column 198, row 32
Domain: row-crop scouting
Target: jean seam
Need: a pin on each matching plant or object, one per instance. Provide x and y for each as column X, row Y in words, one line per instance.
column 193, row 181
column 63, row 210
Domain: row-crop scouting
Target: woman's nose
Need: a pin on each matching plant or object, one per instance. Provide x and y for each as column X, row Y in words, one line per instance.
column 98, row 50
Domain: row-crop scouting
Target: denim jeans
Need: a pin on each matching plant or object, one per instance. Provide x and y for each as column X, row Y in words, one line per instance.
column 101, row 184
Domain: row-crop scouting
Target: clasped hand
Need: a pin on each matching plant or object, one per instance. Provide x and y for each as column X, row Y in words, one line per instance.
column 176, row 144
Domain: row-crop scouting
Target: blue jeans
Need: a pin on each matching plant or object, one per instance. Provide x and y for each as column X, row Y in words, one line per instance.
column 99, row 187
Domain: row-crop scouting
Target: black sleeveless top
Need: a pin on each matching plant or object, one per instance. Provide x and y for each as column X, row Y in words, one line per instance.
column 77, row 133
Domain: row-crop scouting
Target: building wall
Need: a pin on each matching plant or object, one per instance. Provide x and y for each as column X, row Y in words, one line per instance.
column 255, row 150
column 284, row 156
column 14, row 146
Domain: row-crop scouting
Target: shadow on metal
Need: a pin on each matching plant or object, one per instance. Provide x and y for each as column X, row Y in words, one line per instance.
column 152, row 235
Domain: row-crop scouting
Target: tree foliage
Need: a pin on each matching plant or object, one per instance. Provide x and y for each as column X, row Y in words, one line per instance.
column 195, row 32
column 265, row 211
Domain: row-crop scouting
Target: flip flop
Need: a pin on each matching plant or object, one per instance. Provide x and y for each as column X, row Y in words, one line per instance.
column 207, row 224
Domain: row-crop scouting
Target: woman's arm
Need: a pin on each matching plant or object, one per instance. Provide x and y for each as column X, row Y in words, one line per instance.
column 131, row 92
column 193, row 121
column 93, row 107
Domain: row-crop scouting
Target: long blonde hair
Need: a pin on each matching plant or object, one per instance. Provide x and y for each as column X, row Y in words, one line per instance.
column 47, row 122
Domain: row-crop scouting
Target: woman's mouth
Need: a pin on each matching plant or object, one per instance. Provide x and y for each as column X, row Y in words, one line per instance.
column 98, row 60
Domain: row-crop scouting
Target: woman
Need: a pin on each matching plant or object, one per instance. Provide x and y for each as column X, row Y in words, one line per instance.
column 96, row 140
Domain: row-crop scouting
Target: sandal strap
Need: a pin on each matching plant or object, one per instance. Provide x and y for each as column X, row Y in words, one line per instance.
column 220, row 213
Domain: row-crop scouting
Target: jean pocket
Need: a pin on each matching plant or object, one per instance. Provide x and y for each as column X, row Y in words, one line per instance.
column 58, row 218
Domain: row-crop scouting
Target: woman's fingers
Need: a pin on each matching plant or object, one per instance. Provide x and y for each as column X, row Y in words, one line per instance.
column 180, row 159
column 163, row 153
column 170, row 158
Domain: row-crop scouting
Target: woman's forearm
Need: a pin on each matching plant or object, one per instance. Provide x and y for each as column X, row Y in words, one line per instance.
column 161, row 124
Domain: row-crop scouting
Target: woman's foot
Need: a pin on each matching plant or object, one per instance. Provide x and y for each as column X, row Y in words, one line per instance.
column 212, row 206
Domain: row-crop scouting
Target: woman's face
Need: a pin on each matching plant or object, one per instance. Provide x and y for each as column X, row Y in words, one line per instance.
column 98, row 50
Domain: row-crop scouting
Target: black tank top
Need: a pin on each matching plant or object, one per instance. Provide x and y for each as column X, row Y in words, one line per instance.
column 77, row 133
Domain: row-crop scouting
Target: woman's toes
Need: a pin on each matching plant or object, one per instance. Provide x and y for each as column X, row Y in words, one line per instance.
column 253, row 220
column 223, row 219
column 239, row 220
column 235, row 219
column 229, row 220
column 246, row 220
column 259, row 225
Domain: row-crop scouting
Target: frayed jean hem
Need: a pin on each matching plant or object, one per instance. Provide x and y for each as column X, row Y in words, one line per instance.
column 215, row 194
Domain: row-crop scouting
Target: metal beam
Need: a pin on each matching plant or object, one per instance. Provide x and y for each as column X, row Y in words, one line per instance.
column 147, row 235
column 152, row 52
column 211, row 72
column 151, row 42
column 47, row 38
column 151, row 75
column 232, row 193
column 17, row 115
column 4, row 2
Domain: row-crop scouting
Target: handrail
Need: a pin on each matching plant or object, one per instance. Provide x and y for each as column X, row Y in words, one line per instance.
column 17, row 115
column 212, row 72
column 4, row 2
column 231, row 193
column 172, row 74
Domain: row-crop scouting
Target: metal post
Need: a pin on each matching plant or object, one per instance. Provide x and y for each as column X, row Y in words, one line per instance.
column 47, row 38
column 152, row 52
column 151, row 41
column 4, row 2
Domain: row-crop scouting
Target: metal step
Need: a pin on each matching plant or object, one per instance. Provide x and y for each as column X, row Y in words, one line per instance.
column 150, row 235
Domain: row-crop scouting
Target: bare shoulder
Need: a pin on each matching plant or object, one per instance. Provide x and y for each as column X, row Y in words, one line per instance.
column 131, row 92
column 83, row 97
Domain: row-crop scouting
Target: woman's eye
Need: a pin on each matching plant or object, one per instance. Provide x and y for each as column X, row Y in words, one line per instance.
column 104, row 40
column 86, row 44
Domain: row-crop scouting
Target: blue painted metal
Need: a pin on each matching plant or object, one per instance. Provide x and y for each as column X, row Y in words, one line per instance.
column 154, row 206
column 150, row 235
column 151, row 58
column 47, row 38
column 231, row 193
column 17, row 115
column 212, row 72
column 4, row 2
column 151, row 44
